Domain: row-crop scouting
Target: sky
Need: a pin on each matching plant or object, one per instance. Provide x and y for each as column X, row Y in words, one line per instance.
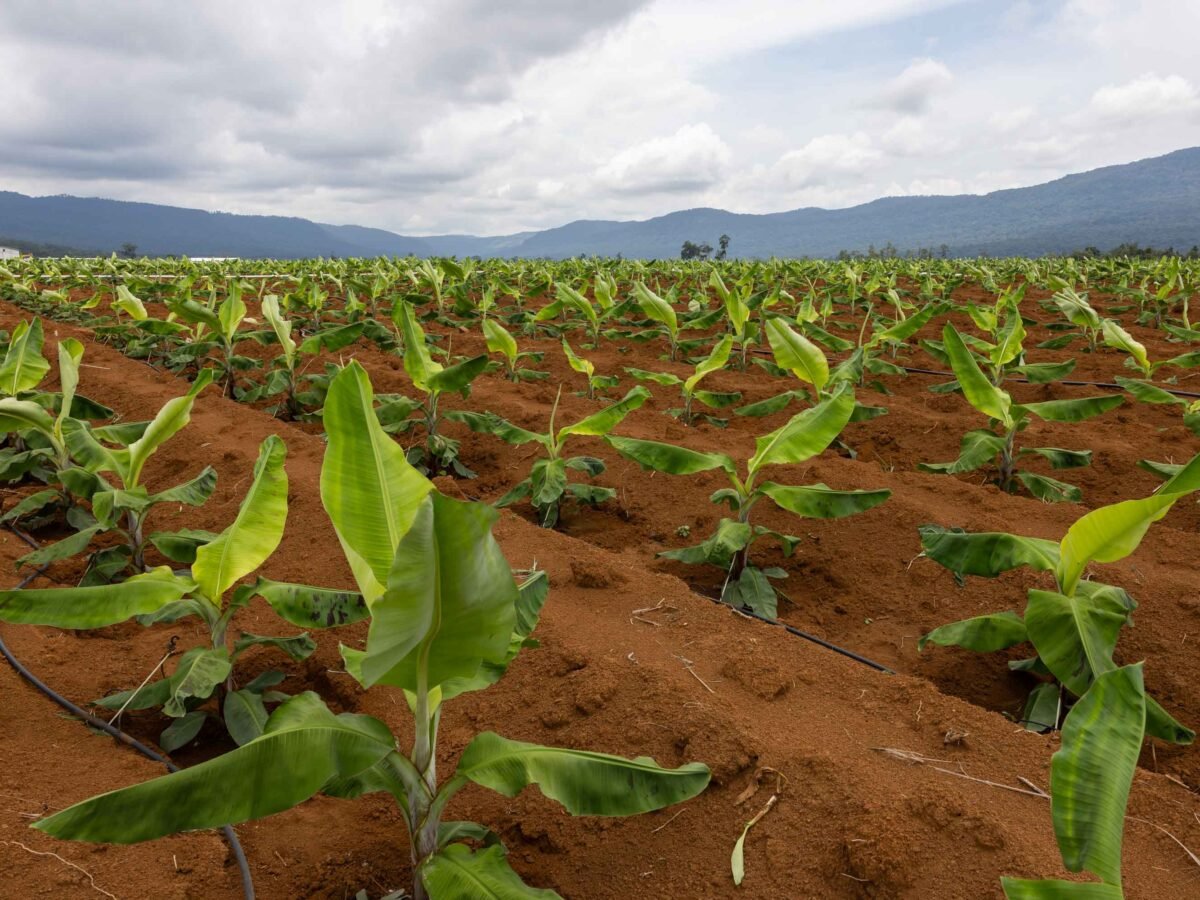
column 498, row 116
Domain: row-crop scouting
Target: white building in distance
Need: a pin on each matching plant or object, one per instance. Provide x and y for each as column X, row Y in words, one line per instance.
column 9, row 253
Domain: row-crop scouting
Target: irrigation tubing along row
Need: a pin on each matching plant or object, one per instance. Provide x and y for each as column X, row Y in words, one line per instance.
column 230, row 836
column 1100, row 384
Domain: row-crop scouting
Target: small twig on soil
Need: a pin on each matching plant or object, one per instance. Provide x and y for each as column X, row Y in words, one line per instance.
column 661, row 604
column 855, row 878
column 669, row 821
column 65, row 862
column 687, row 664
column 1182, row 845
column 917, row 758
column 1033, row 787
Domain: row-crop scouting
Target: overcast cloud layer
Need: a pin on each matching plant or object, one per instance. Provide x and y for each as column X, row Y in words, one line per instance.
column 491, row 117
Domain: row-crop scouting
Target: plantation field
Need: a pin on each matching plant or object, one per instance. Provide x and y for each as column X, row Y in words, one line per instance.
column 866, row 380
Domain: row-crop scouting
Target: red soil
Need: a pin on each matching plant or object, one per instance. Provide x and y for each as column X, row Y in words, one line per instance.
column 691, row 681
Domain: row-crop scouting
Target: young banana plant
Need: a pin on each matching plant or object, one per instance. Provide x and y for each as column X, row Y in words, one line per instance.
column 587, row 368
column 594, row 316
column 1138, row 358
column 736, row 302
column 447, row 618
column 32, row 421
column 216, row 331
column 430, row 275
column 160, row 595
column 805, row 435
column 795, row 353
column 547, row 485
column 438, row 453
column 1080, row 313
column 1075, row 627
column 499, row 340
column 286, row 370
column 659, row 310
column 1008, row 419
column 690, row 386
column 124, row 509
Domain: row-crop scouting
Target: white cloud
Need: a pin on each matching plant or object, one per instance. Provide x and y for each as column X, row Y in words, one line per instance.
column 826, row 158
column 465, row 115
column 691, row 158
column 1049, row 151
column 1145, row 97
column 1008, row 120
column 913, row 90
column 913, row 136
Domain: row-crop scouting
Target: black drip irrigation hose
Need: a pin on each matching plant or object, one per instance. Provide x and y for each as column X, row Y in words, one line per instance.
column 235, row 845
column 1100, row 384
column 820, row 642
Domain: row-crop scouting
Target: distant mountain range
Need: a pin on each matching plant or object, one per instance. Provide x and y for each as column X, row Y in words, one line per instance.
column 1151, row 202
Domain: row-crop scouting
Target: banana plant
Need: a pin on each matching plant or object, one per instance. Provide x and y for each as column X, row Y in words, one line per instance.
column 587, row 368
column 1075, row 627
column 659, row 310
column 446, row 618
column 736, row 302
column 43, row 438
column 805, row 435
column 594, row 316
column 438, row 453
column 1137, row 357
column 160, row 595
column 216, row 330
column 124, row 509
column 1007, row 419
column 428, row 273
column 499, row 340
column 1080, row 313
column 285, row 378
column 547, row 485
column 795, row 353
column 689, row 387
column 35, row 436
column 1002, row 355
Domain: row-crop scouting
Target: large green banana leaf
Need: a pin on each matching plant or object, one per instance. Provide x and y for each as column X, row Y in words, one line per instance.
column 457, row 872
column 668, row 458
column 1091, row 775
column 818, row 501
column 304, row 748
column 1113, row 532
column 369, row 489
column 980, row 393
column 450, row 603
column 796, row 353
column 585, row 783
column 23, row 366
column 94, row 607
column 807, row 434
column 602, row 422
column 986, row 553
column 254, row 533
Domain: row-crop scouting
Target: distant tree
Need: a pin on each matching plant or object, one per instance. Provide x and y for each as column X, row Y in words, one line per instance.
column 723, row 244
column 692, row 250
column 129, row 250
column 944, row 250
